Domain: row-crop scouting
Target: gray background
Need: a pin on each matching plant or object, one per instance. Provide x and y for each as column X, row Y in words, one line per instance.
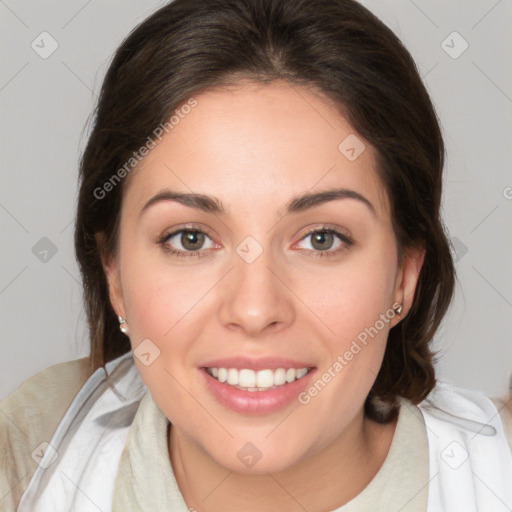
column 45, row 104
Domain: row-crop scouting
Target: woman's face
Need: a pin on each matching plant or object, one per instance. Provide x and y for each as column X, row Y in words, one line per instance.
column 282, row 279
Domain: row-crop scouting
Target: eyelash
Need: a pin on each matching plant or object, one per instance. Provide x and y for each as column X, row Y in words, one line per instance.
column 181, row 254
column 347, row 241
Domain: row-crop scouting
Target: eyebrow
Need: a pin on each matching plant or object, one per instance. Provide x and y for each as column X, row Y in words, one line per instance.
column 210, row 204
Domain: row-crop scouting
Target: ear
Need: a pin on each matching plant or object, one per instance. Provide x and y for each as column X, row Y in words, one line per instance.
column 111, row 269
column 407, row 279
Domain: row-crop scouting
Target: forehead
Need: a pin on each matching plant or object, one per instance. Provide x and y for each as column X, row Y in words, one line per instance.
column 255, row 141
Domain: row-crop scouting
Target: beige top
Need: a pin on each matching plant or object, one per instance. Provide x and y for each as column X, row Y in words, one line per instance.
column 145, row 480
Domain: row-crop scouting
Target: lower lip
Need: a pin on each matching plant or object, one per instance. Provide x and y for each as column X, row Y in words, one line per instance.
column 256, row 402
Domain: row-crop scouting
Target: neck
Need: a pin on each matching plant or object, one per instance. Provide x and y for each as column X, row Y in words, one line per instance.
column 324, row 481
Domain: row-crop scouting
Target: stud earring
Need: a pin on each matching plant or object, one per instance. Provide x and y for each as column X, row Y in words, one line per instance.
column 123, row 328
column 398, row 309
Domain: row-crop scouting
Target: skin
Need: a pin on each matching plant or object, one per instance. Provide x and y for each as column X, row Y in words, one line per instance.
column 254, row 147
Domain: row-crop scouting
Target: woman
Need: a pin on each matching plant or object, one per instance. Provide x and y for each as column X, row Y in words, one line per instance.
column 264, row 268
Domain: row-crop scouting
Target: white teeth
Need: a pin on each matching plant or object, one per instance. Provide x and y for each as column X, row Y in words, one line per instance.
column 261, row 380
column 290, row 375
column 233, row 377
column 246, row 378
column 300, row 373
column 280, row 376
column 265, row 379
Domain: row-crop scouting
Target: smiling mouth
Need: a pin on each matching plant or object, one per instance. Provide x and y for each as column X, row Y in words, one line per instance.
column 246, row 379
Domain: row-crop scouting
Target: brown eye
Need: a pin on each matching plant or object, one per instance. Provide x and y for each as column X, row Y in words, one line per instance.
column 186, row 242
column 192, row 240
column 322, row 240
column 326, row 242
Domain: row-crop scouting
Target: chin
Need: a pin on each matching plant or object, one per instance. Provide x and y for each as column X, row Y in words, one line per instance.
column 257, row 457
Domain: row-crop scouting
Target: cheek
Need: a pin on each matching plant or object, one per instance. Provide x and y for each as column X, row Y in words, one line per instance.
column 169, row 306
column 162, row 308
column 354, row 303
column 358, row 315
column 159, row 304
column 158, row 295
column 352, row 297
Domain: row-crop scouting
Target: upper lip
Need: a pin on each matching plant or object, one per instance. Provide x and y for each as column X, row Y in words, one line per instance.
column 260, row 363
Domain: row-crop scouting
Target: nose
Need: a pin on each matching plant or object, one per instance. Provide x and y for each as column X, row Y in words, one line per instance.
column 256, row 298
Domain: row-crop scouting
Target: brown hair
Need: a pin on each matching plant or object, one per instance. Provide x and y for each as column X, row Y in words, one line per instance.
column 337, row 47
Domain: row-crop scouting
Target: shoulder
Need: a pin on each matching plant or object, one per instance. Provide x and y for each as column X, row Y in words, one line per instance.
column 28, row 419
column 470, row 405
column 504, row 407
column 467, row 429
